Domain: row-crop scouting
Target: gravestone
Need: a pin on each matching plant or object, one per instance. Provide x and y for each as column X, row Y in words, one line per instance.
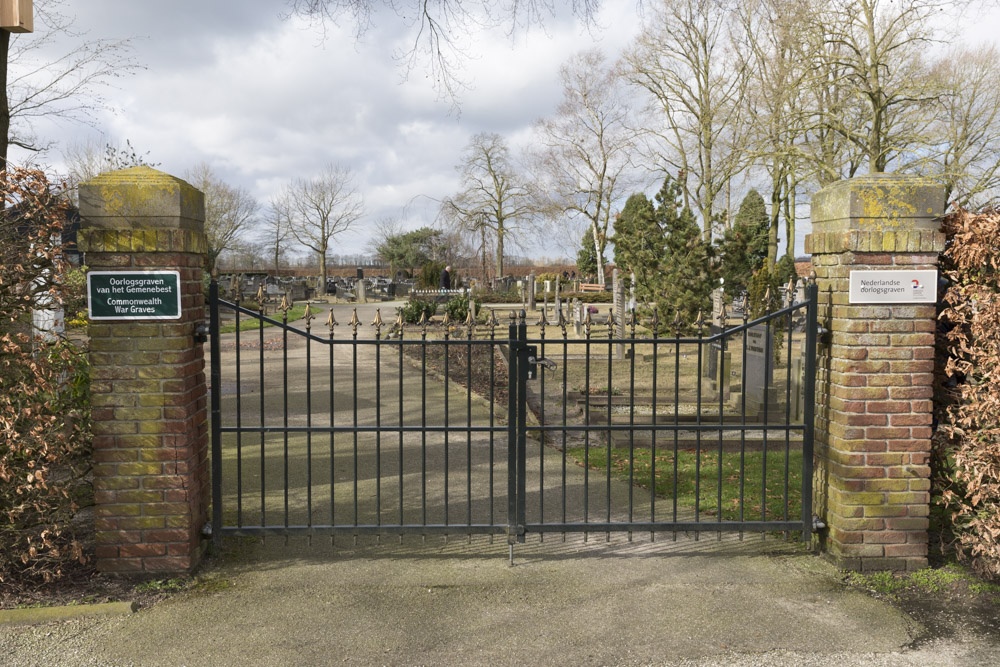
column 577, row 317
column 531, row 291
column 710, row 369
column 759, row 369
column 558, row 303
column 618, row 304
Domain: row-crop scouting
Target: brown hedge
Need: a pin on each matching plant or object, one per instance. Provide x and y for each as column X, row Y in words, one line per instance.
column 42, row 453
column 968, row 391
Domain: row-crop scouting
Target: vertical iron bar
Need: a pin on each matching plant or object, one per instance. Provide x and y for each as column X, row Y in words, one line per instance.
column 263, row 458
column 239, row 418
column 812, row 293
column 423, row 426
column 492, row 351
column 788, row 407
column 216, row 398
column 541, row 432
column 631, row 423
column 333, row 479
column 586, row 432
column 378, row 431
column 607, row 484
column 652, row 447
column 354, row 395
column 565, row 389
column 697, row 437
column 309, row 507
column 447, row 354
column 284, row 385
column 522, row 414
column 677, row 416
column 468, row 432
column 513, row 349
column 401, row 419
column 722, row 379
column 768, row 365
column 743, row 412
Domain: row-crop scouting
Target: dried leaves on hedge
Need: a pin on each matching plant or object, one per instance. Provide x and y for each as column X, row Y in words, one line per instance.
column 40, row 385
column 968, row 392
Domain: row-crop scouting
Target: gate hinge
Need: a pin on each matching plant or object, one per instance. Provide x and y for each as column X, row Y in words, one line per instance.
column 818, row 524
column 206, row 530
column 201, row 333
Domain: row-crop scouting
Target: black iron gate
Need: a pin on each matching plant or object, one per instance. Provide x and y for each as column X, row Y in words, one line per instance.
column 454, row 429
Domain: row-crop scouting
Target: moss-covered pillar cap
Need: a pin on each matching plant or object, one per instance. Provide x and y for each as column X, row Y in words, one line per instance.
column 879, row 203
column 141, row 198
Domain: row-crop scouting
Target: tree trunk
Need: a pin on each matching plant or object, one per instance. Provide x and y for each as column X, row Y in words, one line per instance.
column 790, row 220
column 598, row 254
column 772, row 232
column 500, row 234
column 4, row 101
column 322, row 274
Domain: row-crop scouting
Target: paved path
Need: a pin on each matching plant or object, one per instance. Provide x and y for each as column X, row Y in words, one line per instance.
column 461, row 604
column 458, row 602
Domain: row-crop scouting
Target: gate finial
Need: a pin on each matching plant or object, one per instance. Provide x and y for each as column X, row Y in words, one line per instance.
column 308, row 316
column 331, row 321
column 355, row 322
column 377, row 322
column 470, row 322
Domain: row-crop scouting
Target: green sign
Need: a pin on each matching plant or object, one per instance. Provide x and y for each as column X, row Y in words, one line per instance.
column 134, row 295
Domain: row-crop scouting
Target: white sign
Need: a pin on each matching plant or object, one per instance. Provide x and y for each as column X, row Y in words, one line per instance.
column 893, row 286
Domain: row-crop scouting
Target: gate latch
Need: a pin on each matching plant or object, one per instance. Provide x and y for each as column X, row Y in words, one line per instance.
column 534, row 362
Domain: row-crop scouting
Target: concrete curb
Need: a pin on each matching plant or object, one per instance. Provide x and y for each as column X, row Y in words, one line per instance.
column 36, row 615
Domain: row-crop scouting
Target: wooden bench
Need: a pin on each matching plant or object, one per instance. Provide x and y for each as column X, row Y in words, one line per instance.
column 591, row 287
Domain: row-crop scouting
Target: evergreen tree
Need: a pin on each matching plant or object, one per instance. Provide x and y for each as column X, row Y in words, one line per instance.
column 639, row 245
column 586, row 260
column 744, row 245
column 784, row 270
column 686, row 276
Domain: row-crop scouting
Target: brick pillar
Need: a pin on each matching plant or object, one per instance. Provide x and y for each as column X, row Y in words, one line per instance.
column 874, row 372
column 147, row 376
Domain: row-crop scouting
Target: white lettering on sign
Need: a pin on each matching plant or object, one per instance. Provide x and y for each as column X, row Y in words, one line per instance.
column 891, row 286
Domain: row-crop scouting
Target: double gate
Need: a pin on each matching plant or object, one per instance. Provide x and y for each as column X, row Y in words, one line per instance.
column 556, row 427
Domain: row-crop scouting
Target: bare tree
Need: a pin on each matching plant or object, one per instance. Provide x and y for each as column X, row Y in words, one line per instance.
column 967, row 130
column 697, row 86
column 582, row 153
column 495, row 199
column 779, row 116
column 275, row 229
column 33, row 85
column 443, row 30
column 319, row 209
column 876, row 55
column 229, row 211
column 89, row 159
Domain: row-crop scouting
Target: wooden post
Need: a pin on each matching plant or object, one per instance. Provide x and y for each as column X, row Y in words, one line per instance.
column 17, row 15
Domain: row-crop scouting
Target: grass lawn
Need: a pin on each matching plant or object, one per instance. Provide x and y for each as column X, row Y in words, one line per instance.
column 247, row 322
column 706, row 478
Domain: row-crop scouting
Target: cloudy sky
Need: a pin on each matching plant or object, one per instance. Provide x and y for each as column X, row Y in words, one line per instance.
column 264, row 99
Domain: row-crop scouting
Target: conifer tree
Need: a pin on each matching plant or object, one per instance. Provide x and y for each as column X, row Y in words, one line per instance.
column 744, row 245
column 639, row 245
column 686, row 276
